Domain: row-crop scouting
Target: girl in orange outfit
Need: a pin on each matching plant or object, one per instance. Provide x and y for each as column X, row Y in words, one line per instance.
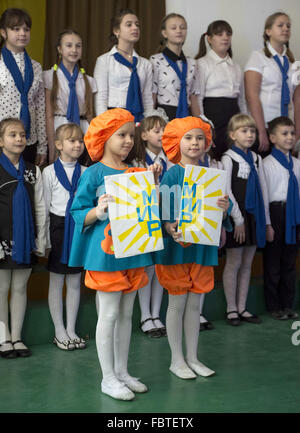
column 185, row 270
column 109, row 139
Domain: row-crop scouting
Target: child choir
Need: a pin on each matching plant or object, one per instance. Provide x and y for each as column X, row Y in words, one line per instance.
column 157, row 114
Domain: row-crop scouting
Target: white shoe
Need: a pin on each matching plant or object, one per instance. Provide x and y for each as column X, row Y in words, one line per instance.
column 134, row 384
column 200, row 369
column 117, row 390
column 183, row 372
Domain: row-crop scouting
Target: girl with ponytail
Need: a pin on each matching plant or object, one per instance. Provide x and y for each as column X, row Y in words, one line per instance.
column 69, row 90
column 268, row 84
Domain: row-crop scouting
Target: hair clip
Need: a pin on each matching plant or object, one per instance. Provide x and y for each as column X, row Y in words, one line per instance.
column 55, row 67
column 82, row 70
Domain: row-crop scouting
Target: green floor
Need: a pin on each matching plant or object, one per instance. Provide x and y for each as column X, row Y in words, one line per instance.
column 257, row 370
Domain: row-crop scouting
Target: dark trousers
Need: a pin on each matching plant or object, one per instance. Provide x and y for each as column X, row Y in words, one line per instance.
column 279, row 264
column 30, row 152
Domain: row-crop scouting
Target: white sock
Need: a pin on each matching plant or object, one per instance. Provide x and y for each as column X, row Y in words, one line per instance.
column 156, row 298
column 202, row 298
column 230, row 275
column 191, row 331
column 55, row 301
column 73, row 282
column 244, row 279
column 18, row 303
column 174, row 322
column 5, row 278
column 144, row 295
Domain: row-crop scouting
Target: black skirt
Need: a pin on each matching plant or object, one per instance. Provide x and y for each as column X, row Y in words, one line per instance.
column 8, row 263
column 220, row 111
column 250, row 230
column 57, row 225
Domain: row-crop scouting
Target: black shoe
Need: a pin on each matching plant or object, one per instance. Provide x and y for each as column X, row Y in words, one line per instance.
column 153, row 333
column 22, row 353
column 279, row 315
column 8, row 354
column 251, row 319
column 235, row 321
column 206, row 326
column 291, row 313
column 162, row 330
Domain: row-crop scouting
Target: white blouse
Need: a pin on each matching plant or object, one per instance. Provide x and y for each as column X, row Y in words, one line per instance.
column 113, row 79
column 243, row 172
column 10, row 101
column 270, row 92
column 63, row 95
column 166, row 84
column 277, row 178
column 220, row 78
column 56, row 196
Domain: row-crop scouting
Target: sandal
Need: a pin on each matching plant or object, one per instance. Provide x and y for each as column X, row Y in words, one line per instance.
column 153, row 333
column 64, row 345
column 162, row 330
column 22, row 353
column 235, row 321
column 8, row 354
column 251, row 319
column 80, row 343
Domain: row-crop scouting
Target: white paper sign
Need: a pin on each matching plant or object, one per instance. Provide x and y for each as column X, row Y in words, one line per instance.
column 134, row 215
column 200, row 218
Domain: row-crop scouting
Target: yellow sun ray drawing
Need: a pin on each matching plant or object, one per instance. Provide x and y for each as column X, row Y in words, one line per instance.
column 200, row 218
column 134, row 214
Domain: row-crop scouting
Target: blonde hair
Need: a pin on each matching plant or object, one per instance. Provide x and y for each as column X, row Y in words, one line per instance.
column 68, row 130
column 268, row 25
column 239, row 121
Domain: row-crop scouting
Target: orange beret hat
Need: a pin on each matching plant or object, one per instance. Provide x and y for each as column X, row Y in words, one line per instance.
column 176, row 129
column 102, row 128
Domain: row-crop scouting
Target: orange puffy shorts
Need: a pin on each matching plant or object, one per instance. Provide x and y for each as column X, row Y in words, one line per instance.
column 126, row 281
column 189, row 277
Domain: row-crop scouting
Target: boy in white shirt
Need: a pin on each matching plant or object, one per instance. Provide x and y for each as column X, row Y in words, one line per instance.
column 282, row 172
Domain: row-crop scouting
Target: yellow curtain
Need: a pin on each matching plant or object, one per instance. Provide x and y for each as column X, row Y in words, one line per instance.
column 37, row 11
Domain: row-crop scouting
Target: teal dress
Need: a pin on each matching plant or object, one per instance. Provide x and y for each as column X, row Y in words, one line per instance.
column 91, row 245
column 175, row 253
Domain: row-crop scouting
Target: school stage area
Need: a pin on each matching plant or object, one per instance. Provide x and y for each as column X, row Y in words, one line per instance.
column 257, row 366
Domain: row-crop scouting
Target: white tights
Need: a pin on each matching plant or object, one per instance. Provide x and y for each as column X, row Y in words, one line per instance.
column 16, row 280
column 183, row 317
column 55, row 301
column 236, row 277
column 113, row 333
column 150, row 298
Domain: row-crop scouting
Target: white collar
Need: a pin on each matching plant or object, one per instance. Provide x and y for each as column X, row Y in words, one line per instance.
column 274, row 52
column 153, row 156
column 68, row 164
column 217, row 59
column 238, row 158
column 114, row 50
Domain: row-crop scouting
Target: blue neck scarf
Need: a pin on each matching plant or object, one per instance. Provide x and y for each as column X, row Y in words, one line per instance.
column 69, row 222
column 292, row 201
column 285, row 91
column 23, row 86
column 182, row 108
column 73, row 107
column 150, row 161
column 205, row 163
column 134, row 101
column 254, row 202
column 23, row 228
